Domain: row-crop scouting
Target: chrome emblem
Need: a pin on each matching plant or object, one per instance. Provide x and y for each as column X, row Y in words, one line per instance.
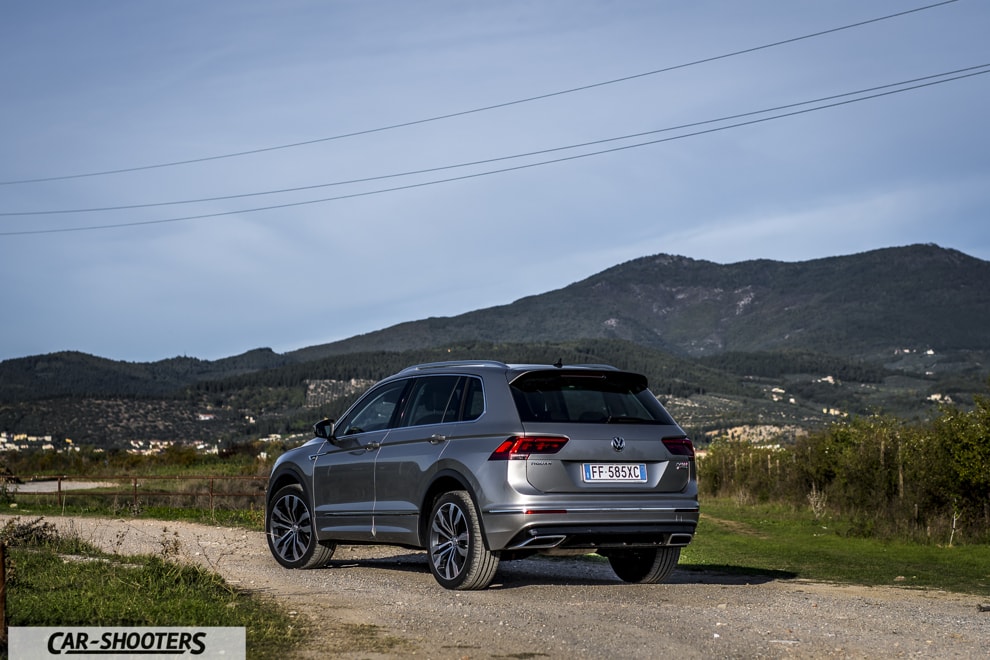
column 618, row 443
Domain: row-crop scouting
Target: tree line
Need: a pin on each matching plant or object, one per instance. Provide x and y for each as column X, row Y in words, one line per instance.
column 880, row 476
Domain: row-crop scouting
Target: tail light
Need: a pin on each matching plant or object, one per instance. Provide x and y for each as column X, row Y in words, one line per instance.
column 679, row 446
column 520, row 447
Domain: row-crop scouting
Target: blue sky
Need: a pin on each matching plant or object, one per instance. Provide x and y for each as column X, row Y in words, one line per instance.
column 105, row 85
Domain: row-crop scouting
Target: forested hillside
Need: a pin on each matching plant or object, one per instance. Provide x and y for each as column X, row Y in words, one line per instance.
column 785, row 346
column 73, row 374
column 864, row 306
column 779, row 390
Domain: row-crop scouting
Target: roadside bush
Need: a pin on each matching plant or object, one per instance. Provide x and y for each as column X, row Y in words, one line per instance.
column 735, row 468
column 884, row 478
column 16, row 532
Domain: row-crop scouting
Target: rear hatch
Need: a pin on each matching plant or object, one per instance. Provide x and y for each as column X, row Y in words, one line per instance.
column 598, row 431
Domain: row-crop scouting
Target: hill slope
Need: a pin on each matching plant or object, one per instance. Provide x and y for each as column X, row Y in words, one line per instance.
column 865, row 305
column 861, row 307
column 780, row 345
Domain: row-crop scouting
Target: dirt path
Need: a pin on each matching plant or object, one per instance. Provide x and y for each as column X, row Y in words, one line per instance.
column 384, row 603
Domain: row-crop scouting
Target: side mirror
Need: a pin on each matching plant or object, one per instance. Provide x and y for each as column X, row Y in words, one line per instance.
column 323, row 429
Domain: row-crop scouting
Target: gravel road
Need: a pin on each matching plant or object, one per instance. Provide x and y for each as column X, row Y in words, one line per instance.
column 563, row 608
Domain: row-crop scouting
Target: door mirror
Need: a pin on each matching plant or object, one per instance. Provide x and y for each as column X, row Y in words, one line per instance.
column 323, row 429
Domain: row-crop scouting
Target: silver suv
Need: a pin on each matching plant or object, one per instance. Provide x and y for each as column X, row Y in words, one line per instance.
column 477, row 462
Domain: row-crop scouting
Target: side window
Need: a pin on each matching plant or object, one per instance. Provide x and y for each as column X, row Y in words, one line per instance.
column 467, row 402
column 474, row 400
column 430, row 398
column 444, row 399
column 376, row 410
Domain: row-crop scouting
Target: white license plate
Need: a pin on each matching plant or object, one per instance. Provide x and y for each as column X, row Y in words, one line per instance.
column 595, row 472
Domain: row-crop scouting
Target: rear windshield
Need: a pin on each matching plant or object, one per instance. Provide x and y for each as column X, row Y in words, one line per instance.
column 587, row 397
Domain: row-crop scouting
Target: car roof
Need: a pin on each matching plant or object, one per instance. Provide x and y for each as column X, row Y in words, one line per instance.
column 502, row 367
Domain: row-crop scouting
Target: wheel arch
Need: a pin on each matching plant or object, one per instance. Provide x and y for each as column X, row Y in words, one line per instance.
column 288, row 476
column 444, row 482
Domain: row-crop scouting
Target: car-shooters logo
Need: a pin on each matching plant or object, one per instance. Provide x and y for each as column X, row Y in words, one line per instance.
column 127, row 642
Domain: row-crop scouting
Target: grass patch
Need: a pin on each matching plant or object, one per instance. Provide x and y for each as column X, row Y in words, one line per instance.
column 54, row 580
column 780, row 541
column 253, row 519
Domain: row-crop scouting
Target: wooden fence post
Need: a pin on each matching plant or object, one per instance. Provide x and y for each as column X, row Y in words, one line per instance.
column 3, row 596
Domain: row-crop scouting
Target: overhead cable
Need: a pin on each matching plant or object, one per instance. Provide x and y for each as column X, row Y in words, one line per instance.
column 423, row 184
column 486, row 108
column 486, row 161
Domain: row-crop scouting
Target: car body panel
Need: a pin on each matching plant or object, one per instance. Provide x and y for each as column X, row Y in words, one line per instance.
column 595, row 444
column 405, row 462
column 343, row 486
column 409, row 439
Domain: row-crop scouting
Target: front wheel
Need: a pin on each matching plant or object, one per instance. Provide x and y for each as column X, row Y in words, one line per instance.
column 458, row 557
column 291, row 532
column 649, row 566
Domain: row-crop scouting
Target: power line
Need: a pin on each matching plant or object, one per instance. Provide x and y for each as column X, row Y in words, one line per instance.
column 498, row 171
column 486, row 108
column 487, row 161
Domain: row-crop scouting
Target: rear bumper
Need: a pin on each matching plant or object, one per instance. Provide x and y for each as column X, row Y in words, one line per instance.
column 576, row 529
column 601, row 537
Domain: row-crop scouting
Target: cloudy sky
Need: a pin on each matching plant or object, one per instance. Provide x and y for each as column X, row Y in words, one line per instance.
column 203, row 178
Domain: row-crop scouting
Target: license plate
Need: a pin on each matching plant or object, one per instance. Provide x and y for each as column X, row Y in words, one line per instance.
column 595, row 472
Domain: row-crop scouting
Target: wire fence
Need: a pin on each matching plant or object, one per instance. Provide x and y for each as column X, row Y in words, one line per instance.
column 200, row 491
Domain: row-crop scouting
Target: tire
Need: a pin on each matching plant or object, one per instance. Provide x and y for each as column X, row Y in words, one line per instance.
column 291, row 531
column 649, row 566
column 458, row 557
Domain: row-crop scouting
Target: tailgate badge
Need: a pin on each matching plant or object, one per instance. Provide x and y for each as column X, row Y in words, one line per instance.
column 618, row 443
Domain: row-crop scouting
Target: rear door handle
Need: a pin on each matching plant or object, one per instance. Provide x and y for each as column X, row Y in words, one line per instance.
column 437, row 438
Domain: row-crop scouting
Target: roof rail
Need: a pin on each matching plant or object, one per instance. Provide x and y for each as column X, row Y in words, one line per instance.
column 453, row 364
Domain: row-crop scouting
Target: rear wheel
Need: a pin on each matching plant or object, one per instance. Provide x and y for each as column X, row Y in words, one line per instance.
column 648, row 566
column 289, row 526
column 458, row 557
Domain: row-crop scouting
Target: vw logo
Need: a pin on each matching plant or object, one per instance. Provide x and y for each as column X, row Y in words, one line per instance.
column 618, row 443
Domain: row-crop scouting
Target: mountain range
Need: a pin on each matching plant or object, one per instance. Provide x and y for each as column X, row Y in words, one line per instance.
column 865, row 306
column 762, row 341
